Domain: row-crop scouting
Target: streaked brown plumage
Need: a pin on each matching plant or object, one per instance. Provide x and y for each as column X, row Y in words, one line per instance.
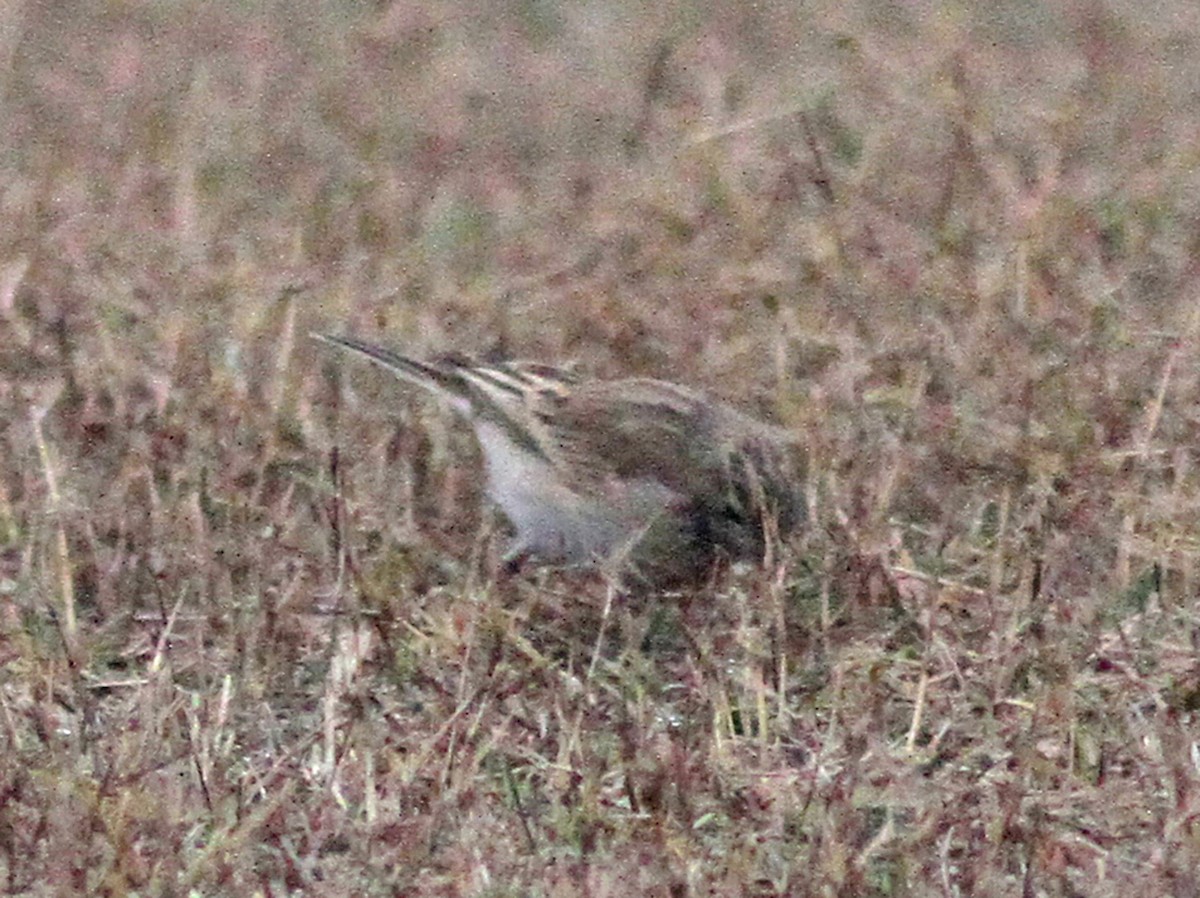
column 646, row 478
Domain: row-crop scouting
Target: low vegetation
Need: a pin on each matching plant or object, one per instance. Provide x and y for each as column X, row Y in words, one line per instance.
column 253, row 640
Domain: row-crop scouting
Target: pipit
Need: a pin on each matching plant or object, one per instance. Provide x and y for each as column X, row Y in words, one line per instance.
column 651, row 481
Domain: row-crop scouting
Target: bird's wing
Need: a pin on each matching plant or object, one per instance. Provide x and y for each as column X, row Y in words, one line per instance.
column 705, row 451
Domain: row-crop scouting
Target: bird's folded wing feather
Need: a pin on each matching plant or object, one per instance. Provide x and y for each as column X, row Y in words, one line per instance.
column 705, row 451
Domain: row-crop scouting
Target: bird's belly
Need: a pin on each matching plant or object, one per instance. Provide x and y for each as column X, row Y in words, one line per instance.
column 557, row 524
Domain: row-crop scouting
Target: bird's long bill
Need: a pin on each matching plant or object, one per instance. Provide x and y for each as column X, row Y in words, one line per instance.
column 448, row 384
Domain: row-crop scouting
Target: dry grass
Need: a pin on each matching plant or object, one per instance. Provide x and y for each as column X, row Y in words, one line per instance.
column 251, row 640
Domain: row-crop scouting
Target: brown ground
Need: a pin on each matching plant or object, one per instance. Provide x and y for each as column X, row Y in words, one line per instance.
column 251, row 640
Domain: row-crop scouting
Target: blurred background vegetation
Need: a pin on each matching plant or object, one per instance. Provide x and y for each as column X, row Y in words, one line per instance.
column 250, row 640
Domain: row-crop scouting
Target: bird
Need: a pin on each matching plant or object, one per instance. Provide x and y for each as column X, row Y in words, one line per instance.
column 650, row 481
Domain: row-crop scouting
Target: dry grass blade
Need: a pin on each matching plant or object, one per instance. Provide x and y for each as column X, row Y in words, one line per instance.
column 257, row 631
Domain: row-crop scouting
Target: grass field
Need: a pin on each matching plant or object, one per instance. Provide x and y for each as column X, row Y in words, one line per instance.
column 252, row 639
